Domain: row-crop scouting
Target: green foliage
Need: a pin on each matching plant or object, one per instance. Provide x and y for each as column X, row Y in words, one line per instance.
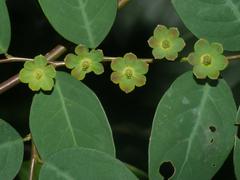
column 5, row 29
column 215, row 20
column 80, row 163
column 84, row 62
column 37, row 74
column 207, row 59
column 11, row 151
column 129, row 72
column 71, row 116
column 166, row 43
column 236, row 152
column 81, row 21
column 193, row 128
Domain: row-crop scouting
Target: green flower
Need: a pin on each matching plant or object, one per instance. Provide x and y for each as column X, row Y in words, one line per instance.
column 166, row 43
column 38, row 74
column 129, row 72
column 207, row 59
column 84, row 62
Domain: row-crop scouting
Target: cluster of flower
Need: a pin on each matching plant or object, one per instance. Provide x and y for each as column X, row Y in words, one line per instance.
column 128, row 71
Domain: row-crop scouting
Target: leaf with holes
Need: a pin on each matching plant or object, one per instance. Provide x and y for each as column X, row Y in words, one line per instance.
column 215, row 20
column 71, row 116
column 5, row 30
column 11, row 151
column 193, row 129
column 236, row 152
column 81, row 163
column 81, row 21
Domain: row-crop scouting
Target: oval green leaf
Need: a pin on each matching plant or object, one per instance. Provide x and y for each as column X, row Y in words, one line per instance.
column 5, row 29
column 236, row 152
column 82, row 163
column 81, row 21
column 193, row 129
column 71, row 116
column 215, row 20
column 11, row 151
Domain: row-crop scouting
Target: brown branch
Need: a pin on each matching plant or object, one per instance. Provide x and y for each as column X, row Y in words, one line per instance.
column 233, row 57
column 14, row 80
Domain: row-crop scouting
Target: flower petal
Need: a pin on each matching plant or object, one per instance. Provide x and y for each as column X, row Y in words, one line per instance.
column 140, row 80
column 199, row 72
column 217, row 47
column 81, row 50
column 213, row 74
column 201, row 44
column 158, row 53
column 153, row 42
column 127, row 85
column 172, row 56
column 221, row 62
column 47, row 84
column 160, row 31
column 40, row 60
column 173, row 32
column 192, row 59
column 178, row 44
column 98, row 68
column 116, row 77
column 30, row 65
column 25, row 75
column 34, row 85
column 71, row 61
column 50, row 71
column 96, row 55
column 130, row 56
column 118, row 64
column 78, row 73
column 141, row 67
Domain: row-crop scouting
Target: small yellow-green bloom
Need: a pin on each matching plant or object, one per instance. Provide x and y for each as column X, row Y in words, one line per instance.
column 207, row 59
column 166, row 43
column 38, row 74
column 84, row 62
column 129, row 72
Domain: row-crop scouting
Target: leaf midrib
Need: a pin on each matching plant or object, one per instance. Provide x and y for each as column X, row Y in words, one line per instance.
column 195, row 127
column 235, row 10
column 65, row 111
column 86, row 22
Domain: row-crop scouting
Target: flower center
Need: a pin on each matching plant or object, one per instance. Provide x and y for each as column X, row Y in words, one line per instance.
column 128, row 72
column 165, row 44
column 38, row 74
column 86, row 63
column 206, row 59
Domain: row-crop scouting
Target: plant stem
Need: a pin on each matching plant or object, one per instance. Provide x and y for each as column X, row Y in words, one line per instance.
column 14, row 80
column 34, row 156
column 233, row 57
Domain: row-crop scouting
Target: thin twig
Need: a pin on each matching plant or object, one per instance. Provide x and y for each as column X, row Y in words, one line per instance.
column 33, row 161
column 14, row 80
column 14, row 59
column 233, row 57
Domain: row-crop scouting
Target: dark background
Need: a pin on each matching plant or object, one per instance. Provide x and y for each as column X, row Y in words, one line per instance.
column 130, row 115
